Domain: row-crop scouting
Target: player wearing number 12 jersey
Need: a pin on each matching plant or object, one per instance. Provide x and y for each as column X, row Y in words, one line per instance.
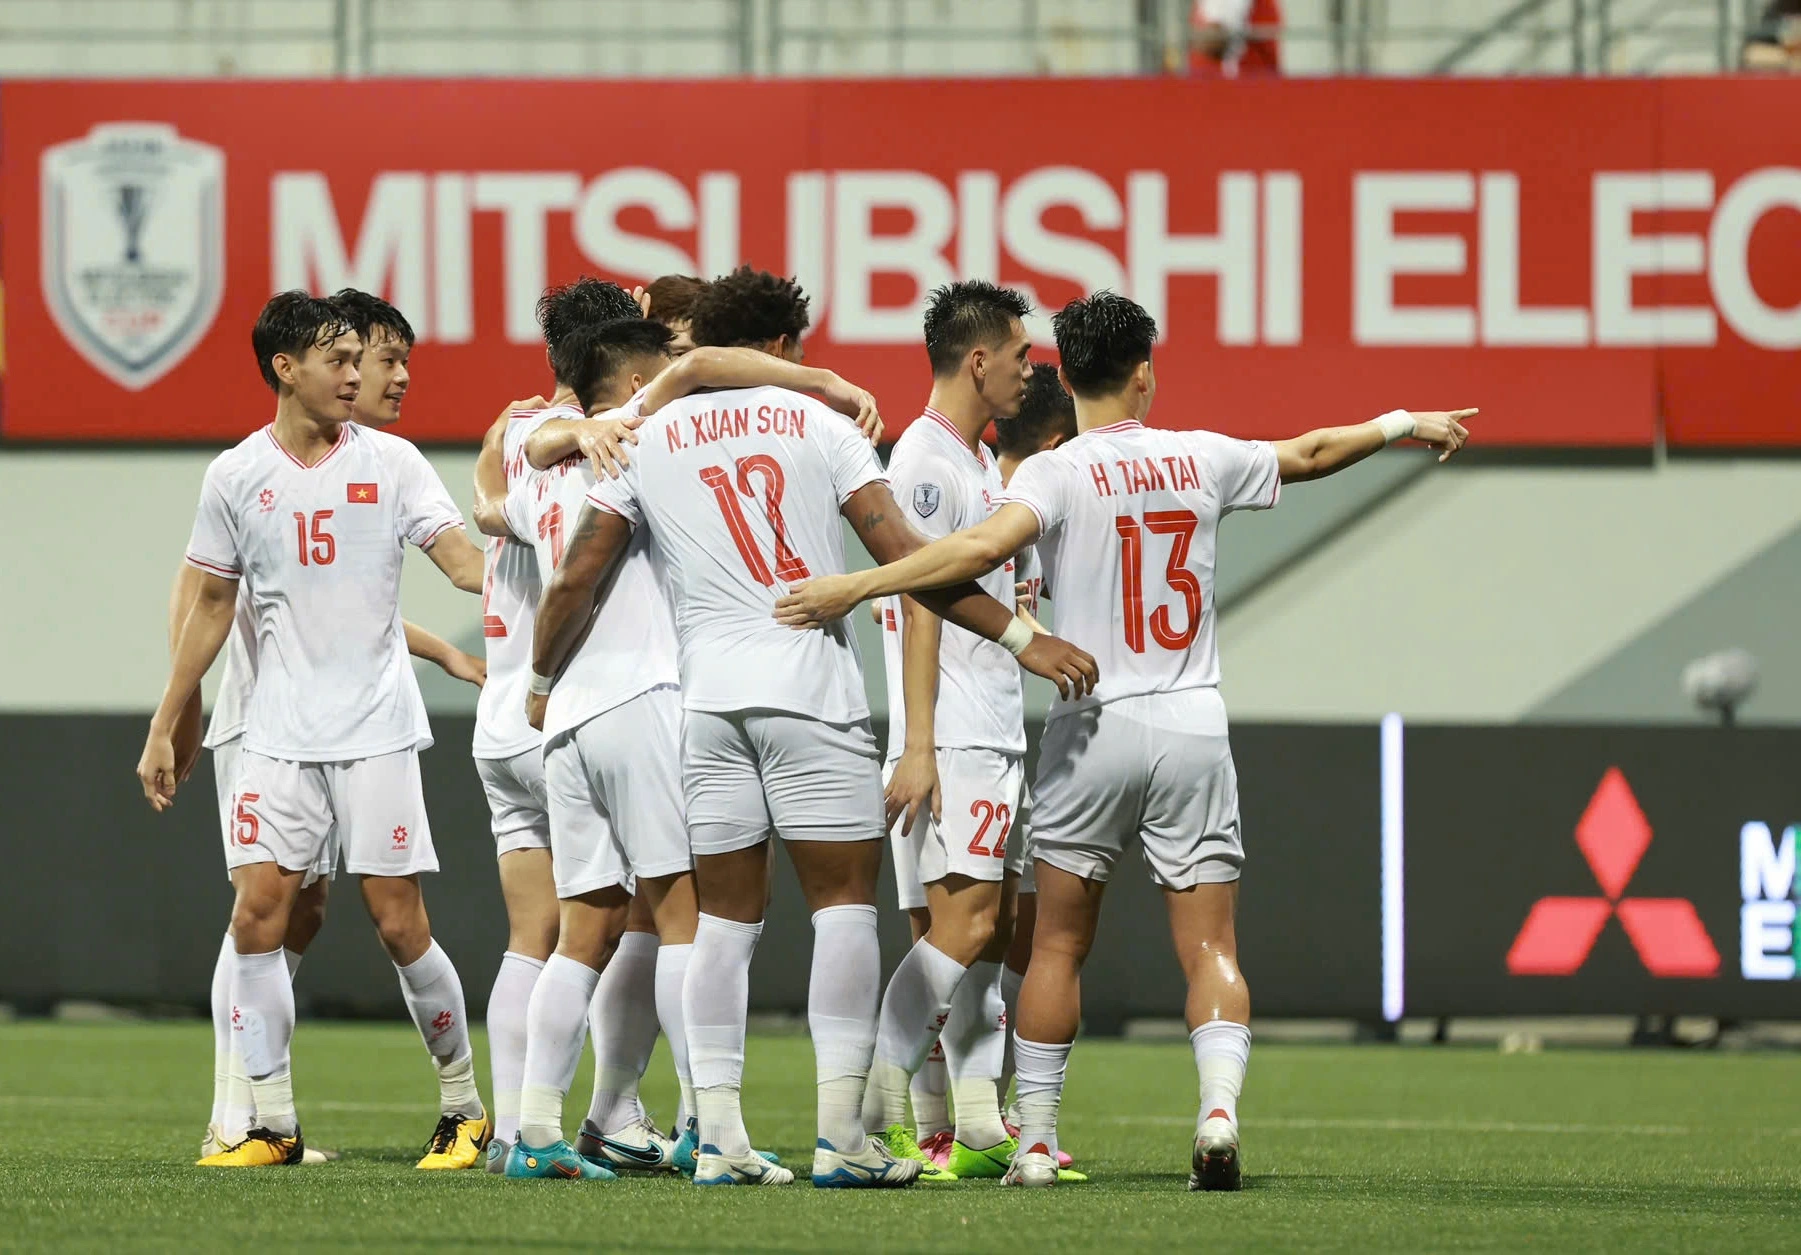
column 741, row 492
column 1128, row 515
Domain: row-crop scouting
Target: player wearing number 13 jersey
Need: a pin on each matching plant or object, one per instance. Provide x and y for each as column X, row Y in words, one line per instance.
column 741, row 491
column 1125, row 519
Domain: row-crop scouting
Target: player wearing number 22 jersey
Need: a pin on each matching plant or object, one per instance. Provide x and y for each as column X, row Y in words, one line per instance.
column 741, row 491
column 1125, row 519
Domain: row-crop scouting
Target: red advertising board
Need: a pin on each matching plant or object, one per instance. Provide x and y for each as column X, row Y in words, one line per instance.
column 1582, row 259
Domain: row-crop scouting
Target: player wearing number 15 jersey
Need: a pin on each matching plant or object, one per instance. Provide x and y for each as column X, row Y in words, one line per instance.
column 1127, row 515
column 314, row 511
column 741, row 491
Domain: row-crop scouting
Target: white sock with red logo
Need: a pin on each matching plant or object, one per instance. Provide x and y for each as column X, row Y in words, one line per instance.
column 262, row 1018
column 930, row 1093
column 555, row 1025
column 434, row 998
column 914, row 1010
column 1042, row 1066
column 1222, row 1051
column 974, row 1040
column 841, row 1015
column 623, row 1023
column 507, row 1007
column 231, row 1113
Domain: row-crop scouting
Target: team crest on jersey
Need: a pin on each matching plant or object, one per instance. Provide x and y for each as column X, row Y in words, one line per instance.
column 925, row 500
column 266, row 499
column 133, row 246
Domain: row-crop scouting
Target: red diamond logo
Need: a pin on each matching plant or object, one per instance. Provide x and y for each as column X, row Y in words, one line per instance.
column 1667, row 934
column 1613, row 833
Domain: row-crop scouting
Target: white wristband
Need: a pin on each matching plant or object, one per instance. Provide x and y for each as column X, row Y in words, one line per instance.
column 540, row 685
column 1395, row 425
column 1018, row 635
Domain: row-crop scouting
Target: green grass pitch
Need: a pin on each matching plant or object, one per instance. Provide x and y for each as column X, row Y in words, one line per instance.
column 1346, row 1149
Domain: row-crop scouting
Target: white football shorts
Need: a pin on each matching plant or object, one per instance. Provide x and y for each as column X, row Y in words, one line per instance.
column 749, row 771
column 983, row 827
column 369, row 813
column 225, row 782
column 615, row 788
column 1137, row 767
column 518, row 806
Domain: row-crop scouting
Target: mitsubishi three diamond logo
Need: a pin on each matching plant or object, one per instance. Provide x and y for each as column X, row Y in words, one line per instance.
column 1559, row 933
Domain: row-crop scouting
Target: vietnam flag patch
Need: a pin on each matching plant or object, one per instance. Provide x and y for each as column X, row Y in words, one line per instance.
column 362, row 494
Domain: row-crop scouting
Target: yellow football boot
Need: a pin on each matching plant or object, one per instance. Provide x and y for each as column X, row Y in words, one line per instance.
column 457, row 1142
column 261, row 1148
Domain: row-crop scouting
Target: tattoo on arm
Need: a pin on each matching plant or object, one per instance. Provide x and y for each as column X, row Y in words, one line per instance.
column 585, row 524
column 874, row 518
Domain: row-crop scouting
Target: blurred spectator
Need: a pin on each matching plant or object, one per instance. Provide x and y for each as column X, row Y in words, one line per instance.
column 1234, row 38
column 1775, row 42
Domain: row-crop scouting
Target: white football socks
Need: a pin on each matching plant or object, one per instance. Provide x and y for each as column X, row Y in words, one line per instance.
column 232, row 1112
column 841, row 1015
column 1222, row 1050
column 555, row 1024
column 1010, row 984
column 930, row 1092
column 672, row 972
column 434, row 998
column 1042, row 1066
column 262, row 1016
column 974, row 1040
column 715, row 1004
column 507, row 1006
column 623, row 1023
column 914, row 1009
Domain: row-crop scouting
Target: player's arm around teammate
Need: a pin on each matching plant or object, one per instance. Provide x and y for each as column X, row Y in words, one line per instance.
column 603, row 440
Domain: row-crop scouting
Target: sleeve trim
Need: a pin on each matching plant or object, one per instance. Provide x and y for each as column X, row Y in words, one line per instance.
column 1037, row 513
column 440, row 530
column 213, row 568
column 877, row 478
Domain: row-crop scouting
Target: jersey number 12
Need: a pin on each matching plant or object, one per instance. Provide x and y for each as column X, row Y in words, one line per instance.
column 788, row 564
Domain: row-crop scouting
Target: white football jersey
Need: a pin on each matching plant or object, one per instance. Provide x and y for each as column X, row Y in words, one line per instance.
column 740, row 491
column 510, row 592
column 1028, row 569
column 943, row 487
column 1128, row 517
column 321, row 549
column 630, row 647
column 231, row 705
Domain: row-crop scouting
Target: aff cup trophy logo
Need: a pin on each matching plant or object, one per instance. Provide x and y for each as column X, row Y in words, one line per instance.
column 133, row 246
column 132, row 205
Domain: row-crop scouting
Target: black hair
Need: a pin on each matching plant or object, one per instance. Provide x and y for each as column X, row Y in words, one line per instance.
column 591, row 355
column 967, row 315
column 586, row 301
column 1047, row 411
column 293, row 322
column 1101, row 339
column 749, row 307
column 366, row 312
column 673, row 297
